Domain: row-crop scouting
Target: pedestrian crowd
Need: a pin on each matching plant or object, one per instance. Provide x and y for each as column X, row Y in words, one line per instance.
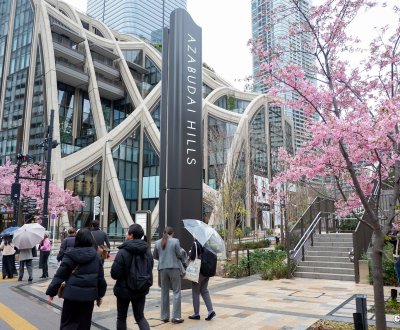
column 79, row 279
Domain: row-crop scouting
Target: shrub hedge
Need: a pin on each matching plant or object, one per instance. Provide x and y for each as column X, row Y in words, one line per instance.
column 269, row 264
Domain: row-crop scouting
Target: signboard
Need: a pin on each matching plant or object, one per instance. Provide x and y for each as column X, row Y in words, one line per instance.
column 262, row 186
column 181, row 159
column 143, row 218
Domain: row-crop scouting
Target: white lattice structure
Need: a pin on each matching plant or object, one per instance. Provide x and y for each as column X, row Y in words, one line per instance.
column 68, row 46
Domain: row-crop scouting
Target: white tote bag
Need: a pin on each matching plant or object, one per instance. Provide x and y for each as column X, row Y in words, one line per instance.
column 193, row 269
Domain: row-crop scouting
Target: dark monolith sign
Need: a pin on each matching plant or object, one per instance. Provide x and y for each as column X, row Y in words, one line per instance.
column 181, row 126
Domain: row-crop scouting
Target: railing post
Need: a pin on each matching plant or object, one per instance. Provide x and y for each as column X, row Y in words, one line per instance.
column 302, row 233
column 355, row 259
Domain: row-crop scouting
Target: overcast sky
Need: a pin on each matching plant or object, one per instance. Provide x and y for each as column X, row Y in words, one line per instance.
column 226, row 26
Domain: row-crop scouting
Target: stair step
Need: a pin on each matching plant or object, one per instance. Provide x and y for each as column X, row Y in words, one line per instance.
column 327, row 253
column 338, row 271
column 342, row 244
column 318, row 258
column 333, row 240
column 337, row 248
column 344, row 264
column 325, row 276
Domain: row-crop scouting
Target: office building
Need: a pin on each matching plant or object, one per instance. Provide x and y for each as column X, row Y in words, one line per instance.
column 295, row 48
column 143, row 18
column 105, row 90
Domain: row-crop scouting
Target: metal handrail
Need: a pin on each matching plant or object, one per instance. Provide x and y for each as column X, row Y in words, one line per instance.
column 306, row 236
column 305, row 212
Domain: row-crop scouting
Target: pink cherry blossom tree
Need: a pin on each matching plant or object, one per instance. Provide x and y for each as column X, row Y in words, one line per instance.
column 354, row 110
column 60, row 200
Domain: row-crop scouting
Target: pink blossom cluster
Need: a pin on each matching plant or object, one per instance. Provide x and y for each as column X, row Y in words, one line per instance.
column 353, row 112
column 60, row 200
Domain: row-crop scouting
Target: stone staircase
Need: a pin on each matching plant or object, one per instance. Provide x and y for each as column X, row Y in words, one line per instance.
column 328, row 258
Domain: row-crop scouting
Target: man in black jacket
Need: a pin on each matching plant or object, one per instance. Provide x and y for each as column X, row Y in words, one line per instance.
column 133, row 246
column 99, row 236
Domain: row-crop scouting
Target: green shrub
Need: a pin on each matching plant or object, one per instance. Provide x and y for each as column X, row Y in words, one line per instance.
column 388, row 272
column 348, row 224
column 279, row 247
column 238, row 233
column 270, row 264
column 247, row 231
column 252, row 245
column 222, row 232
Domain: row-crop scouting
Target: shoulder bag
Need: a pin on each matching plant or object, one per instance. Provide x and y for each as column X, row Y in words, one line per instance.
column 102, row 250
column 62, row 286
column 193, row 269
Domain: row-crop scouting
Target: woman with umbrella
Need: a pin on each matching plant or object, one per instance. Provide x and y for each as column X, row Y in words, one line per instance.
column 200, row 288
column 8, row 252
column 25, row 238
column 25, row 259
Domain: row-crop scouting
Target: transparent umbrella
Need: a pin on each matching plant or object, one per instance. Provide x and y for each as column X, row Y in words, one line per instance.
column 206, row 235
column 28, row 235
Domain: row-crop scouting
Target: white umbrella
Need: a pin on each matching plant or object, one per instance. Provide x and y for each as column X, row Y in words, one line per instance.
column 206, row 235
column 28, row 235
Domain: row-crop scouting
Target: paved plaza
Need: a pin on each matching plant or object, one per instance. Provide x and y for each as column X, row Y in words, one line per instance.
column 247, row 303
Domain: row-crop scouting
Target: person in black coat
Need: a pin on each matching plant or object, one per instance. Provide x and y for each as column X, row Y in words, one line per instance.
column 99, row 236
column 133, row 245
column 200, row 288
column 67, row 244
column 83, row 273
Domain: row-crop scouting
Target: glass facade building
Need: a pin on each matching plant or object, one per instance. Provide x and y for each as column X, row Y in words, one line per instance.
column 143, row 18
column 106, row 99
column 274, row 14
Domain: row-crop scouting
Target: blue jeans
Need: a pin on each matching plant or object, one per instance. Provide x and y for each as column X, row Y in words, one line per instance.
column 397, row 270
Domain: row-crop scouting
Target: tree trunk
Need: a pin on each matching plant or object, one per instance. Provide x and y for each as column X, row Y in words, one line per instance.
column 377, row 271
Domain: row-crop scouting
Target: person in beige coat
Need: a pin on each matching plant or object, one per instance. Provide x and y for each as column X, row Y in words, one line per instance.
column 8, row 252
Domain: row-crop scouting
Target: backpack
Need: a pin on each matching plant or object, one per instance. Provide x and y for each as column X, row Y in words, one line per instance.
column 140, row 276
column 208, row 266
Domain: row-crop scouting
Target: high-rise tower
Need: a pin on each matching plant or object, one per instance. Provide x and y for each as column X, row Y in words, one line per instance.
column 144, row 18
column 265, row 13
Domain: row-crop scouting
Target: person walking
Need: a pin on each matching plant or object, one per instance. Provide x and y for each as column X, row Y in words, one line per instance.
column 8, row 258
column 45, row 248
column 167, row 251
column 83, row 273
column 25, row 259
column 67, row 243
column 200, row 288
column 99, row 236
column 121, row 269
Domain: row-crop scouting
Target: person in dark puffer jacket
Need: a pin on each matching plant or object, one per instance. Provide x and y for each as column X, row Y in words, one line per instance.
column 133, row 245
column 83, row 273
column 67, row 244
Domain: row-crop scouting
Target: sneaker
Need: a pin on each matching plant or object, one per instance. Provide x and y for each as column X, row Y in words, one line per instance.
column 30, row 279
column 210, row 316
column 176, row 321
column 194, row 317
column 165, row 320
column 19, row 278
